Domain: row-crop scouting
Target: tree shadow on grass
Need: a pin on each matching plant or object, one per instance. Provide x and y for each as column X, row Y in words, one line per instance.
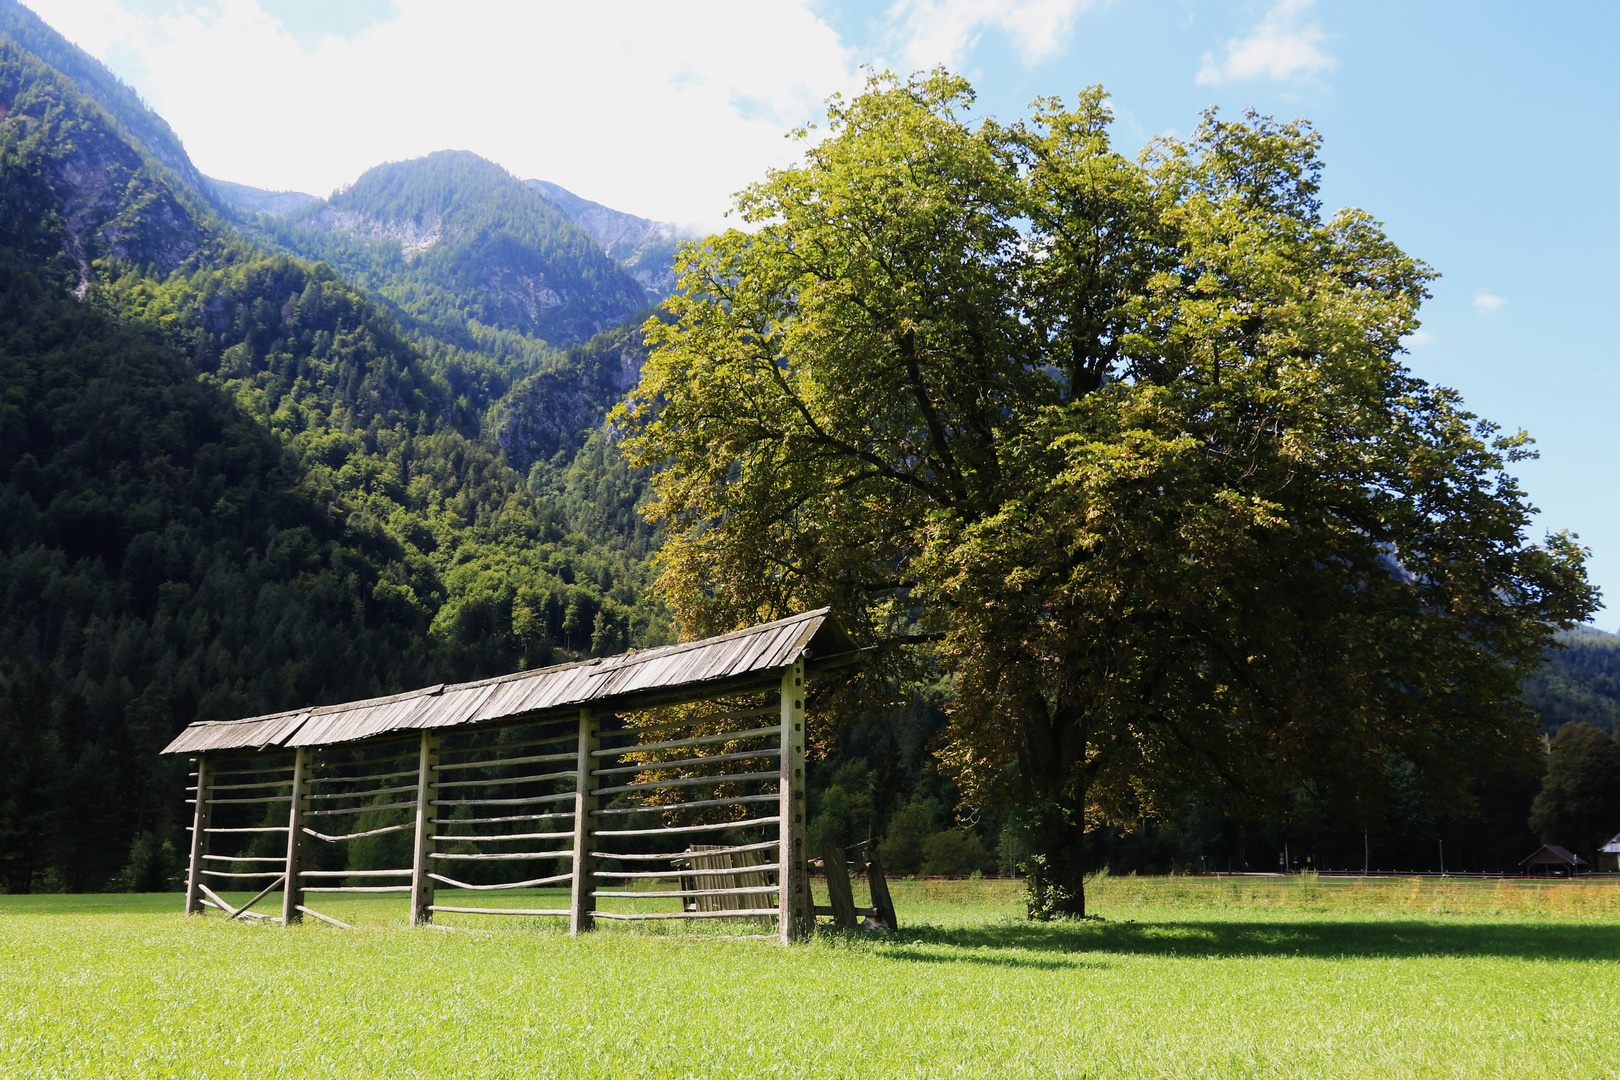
column 1342, row 939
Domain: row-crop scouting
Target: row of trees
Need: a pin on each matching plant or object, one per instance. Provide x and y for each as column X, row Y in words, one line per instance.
column 1123, row 449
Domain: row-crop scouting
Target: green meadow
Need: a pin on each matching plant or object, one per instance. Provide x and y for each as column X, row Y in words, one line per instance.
column 1191, row 977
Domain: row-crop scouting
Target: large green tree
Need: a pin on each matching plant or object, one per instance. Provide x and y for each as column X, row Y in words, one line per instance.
column 1124, row 445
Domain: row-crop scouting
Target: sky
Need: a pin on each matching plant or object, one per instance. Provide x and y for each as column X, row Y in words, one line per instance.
column 1485, row 135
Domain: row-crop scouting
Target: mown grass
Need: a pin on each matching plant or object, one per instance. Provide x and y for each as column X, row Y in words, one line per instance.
column 1182, row 977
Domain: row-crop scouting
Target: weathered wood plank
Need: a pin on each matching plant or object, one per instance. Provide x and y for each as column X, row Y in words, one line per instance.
column 839, row 891
column 427, row 777
column 582, row 893
column 794, row 920
column 200, row 819
column 880, row 888
column 341, row 925
column 292, row 897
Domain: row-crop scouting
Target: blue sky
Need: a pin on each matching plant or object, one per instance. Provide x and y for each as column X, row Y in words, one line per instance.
column 1484, row 135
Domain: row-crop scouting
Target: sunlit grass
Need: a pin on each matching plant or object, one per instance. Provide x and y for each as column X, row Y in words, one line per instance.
column 1182, row 977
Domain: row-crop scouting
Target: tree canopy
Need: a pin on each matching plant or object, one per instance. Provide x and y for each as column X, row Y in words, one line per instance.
column 1123, row 447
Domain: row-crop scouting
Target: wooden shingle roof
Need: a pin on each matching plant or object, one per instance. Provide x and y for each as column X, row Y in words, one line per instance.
column 670, row 674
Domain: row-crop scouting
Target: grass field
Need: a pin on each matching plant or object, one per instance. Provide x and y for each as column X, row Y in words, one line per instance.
column 1181, row 977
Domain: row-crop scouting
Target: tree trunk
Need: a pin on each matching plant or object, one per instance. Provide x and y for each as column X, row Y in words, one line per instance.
column 1055, row 832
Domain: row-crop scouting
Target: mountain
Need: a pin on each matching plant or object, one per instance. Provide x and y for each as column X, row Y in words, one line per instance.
column 455, row 242
column 232, row 481
column 252, row 200
column 645, row 248
column 148, row 131
column 1581, row 682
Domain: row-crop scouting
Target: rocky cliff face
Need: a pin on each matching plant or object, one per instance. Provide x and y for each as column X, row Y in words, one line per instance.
column 555, row 410
column 415, row 235
column 70, row 180
column 644, row 247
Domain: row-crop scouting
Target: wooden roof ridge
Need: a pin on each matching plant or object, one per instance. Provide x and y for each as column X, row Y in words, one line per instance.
column 664, row 674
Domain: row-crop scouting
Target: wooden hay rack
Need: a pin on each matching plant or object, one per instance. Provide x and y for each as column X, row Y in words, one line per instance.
column 531, row 781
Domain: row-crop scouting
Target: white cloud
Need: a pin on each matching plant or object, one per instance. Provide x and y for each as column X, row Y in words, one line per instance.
column 944, row 31
column 660, row 109
column 1418, row 338
column 1280, row 47
column 1485, row 303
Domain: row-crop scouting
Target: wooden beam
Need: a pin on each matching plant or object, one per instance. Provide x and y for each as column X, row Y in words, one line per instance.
column 582, row 893
column 324, row 918
column 794, row 918
column 427, row 776
column 880, row 888
column 838, row 887
column 292, row 897
column 243, row 910
column 199, row 834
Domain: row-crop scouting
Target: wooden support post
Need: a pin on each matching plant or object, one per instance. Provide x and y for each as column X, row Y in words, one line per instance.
column 839, row 893
column 292, row 893
column 795, row 920
column 427, row 779
column 200, row 821
column 881, row 901
column 582, row 901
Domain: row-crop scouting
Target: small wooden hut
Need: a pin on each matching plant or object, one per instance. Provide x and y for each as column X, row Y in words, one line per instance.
column 537, row 770
column 1609, row 855
column 1550, row 860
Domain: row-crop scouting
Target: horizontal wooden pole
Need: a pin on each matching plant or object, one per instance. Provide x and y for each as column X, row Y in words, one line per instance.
column 495, row 763
column 340, row 924
column 355, row 873
column 361, row 779
column 506, row 836
column 247, row 858
column 360, row 809
column 718, row 871
column 357, row 888
column 766, row 846
column 683, row 893
column 506, row 885
column 358, row 835
column 691, row 781
column 654, row 766
column 523, row 745
column 368, row 793
column 564, row 912
column 251, row 828
column 717, row 826
column 772, row 797
column 502, row 856
column 696, row 740
column 256, row 874
column 692, row 721
column 526, row 801
column 244, row 787
column 259, row 799
column 625, row 916
column 492, row 820
column 537, row 778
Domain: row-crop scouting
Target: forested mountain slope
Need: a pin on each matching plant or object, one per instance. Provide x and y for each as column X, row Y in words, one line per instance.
column 145, row 128
column 231, row 483
column 452, row 239
column 1581, row 682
